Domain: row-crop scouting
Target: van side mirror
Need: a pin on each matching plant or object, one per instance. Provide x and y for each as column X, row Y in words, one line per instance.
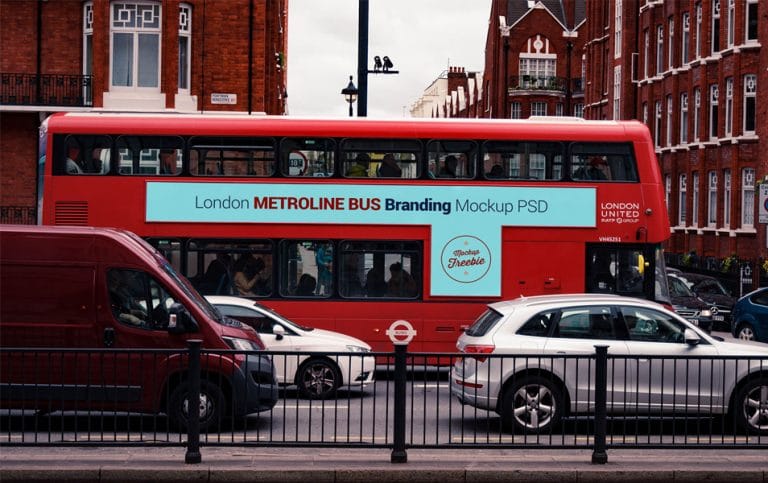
column 691, row 337
column 278, row 330
column 180, row 321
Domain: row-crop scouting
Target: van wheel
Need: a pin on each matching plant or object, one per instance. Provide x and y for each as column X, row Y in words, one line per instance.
column 532, row 405
column 745, row 332
column 318, row 379
column 752, row 406
column 211, row 407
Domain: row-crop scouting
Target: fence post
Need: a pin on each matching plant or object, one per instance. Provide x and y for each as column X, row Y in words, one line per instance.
column 599, row 456
column 398, row 450
column 193, row 404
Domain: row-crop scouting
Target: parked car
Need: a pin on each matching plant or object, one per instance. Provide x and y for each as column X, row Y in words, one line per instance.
column 710, row 290
column 750, row 316
column 316, row 376
column 522, row 362
column 687, row 304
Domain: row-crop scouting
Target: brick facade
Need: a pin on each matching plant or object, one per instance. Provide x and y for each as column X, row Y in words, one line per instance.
column 237, row 47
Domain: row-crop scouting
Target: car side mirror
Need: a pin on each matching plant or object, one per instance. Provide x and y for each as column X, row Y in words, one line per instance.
column 691, row 337
column 180, row 321
column 279, row 331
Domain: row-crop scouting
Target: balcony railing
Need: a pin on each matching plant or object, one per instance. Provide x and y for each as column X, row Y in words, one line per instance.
column 45, row 90
column 545, row 83
column 18, row 215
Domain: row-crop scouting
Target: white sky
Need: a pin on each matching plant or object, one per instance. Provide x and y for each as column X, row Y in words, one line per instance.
column 419, row 36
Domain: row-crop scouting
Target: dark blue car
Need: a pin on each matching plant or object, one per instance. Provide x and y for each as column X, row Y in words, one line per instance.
column 750, row 316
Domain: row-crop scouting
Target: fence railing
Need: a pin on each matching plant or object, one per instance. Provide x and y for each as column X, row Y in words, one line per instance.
column 18, row 215
column 18, row 89
column 597, row 401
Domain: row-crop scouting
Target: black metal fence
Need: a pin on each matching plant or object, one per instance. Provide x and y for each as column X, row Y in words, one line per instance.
column 595, row 401
column 18, row 215
column 18, row 89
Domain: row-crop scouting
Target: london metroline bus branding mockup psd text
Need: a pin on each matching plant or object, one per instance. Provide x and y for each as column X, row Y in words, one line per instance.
column 465, row 221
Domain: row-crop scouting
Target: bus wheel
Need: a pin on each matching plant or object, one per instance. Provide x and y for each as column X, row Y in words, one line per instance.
column 532, row 405
column 318, row 379
column 752, row 406
column 211, row 405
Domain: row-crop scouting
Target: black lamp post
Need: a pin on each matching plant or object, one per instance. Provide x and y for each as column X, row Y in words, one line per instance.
column 350, row 94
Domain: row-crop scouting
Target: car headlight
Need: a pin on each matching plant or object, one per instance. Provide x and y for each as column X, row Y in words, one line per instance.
column 242, row 344
column 706, row 313
column 357, row 348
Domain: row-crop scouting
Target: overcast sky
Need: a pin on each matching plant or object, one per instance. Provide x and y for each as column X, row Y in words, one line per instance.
column 421, row 37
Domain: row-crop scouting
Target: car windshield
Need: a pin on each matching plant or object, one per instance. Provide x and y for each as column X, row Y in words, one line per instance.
column 678, row 288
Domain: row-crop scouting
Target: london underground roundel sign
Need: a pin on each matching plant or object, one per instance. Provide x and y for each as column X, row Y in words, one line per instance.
column 401, row 332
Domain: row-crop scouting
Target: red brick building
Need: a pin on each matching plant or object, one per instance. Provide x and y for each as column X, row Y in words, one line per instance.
column 694, row 71
column 129, row 55
column 533, row 59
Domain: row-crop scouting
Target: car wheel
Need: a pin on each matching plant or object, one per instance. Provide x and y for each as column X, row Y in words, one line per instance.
column 532, row 405
column 318, row 379
column 752, row 406
column 745, row 332
column 211, row 406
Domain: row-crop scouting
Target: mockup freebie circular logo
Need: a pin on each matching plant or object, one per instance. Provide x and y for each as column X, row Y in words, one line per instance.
column 466, row 259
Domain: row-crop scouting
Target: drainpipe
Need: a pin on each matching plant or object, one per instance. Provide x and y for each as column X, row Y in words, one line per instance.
column 38, row 97
column 250, row 57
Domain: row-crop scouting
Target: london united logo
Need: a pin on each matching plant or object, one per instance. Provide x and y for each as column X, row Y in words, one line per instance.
column 466, row 259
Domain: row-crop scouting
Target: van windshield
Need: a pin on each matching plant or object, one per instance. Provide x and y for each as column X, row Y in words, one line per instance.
column 191, row 292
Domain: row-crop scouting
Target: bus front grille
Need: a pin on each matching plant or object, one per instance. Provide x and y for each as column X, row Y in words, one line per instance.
column 71, row 213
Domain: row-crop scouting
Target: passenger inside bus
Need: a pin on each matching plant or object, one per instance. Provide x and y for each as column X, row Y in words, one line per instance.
column 360, row 168
column 247, row 271
column 597, row 170
column 449, row 167
column 73, row 160
column 375, row 286
column 306, row 286
column 389, row 167
column 400, row 283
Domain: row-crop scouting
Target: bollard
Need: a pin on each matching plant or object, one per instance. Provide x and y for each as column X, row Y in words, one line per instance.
column 193, row 404
column 599, row 456
column 400, row 333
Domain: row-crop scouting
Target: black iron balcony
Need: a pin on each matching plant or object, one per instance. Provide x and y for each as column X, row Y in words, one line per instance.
column 18, row 215
column 45, row 90
column 544, row 83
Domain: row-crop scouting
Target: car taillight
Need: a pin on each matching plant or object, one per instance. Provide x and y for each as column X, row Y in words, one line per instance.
column 479, row 349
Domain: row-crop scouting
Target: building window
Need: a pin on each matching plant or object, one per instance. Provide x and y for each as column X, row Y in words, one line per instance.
column 537, row 64
column 617, row 29
column 671, row 43
column 647, row 52
column 686, row 38
column 728, row 106
column 750, row 93
column 617, row 92
column 726, row 198
column 712, row 204
column 135, row 33
column 669, row 121
column 731, row 22
column 668, row 194
column 645, row 113
column 747, row 198
column 185, row 45
column 684, row 118
column 715, row 27
column 751, row 21
column 698, row 31
column 714, row 93
column 657, row 128
column 87, row 48
column 559, row 109
column 538, row 108
column 695, row 203
column 515, row 110
column 682, row 194
column 659, row 49
column 578, row 109
column 696, row 113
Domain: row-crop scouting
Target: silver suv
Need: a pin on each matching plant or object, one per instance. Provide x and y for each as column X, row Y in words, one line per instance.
column 528, row 359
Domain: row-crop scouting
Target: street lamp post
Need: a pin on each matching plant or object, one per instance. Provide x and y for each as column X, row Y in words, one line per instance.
column 350, row 94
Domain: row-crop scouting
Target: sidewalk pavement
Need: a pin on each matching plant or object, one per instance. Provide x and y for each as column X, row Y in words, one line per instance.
column 286, row 465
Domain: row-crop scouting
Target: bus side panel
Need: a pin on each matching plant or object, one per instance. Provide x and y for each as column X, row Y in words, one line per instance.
column 542, row 267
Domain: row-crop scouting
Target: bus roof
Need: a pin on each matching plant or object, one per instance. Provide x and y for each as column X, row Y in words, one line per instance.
column 539, row 128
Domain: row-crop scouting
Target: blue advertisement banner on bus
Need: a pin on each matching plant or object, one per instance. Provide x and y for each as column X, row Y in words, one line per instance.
column 465, row 221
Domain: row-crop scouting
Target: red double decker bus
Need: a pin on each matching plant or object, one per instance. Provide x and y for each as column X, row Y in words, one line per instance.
column 350, row 224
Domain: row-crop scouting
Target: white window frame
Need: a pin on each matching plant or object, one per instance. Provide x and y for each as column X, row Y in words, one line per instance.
column 135, row 11
column 712, row 203
column 748, row 198
column 538, row 108
column 684, row 118
column 698, row 31
column 657, row 125
column 682, row 193
column 727, row 198
column 88, row 50
column 668, row 194
column 617, row 27
column 714, row 33
column 749, row 123
column 185, row 52
column 750, row 14
column 617, row 92
column 696, row 114
column 559, row 109
column 659, row 49
column 515, row 110
column 647, row 46
column 578, row 109
column 714, row 94
column 695, row 201
column 686, row 39
column 671, row 43
column 728, row 107
column 668, row 127
column 731, row 23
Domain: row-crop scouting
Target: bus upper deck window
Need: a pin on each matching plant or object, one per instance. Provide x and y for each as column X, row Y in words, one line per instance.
column 231, row 156
column 451, row 159
column 380, row 158
column 85, row 154
column 522, row 160
column 602, row 162
column 307, row 157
